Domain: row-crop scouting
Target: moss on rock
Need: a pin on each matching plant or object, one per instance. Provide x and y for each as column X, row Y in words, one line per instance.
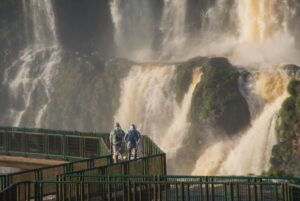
column 218, row 110
column 286, row 154
column 217, row 98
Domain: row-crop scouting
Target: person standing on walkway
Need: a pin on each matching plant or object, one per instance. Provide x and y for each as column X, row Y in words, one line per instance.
column 117, row 142
column 132, row 139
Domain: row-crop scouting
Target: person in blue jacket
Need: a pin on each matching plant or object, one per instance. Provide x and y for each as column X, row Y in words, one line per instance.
column 132, row 140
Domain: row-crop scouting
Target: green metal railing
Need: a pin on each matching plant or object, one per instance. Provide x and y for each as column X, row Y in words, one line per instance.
column 151, row 161
column 50, row 145
column 95, row 177
column 51, row 172
column 150, row 191
column 258, row 188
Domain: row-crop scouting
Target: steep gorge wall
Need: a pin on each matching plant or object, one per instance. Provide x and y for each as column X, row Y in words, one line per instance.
column 85, row 26
column 12, row 40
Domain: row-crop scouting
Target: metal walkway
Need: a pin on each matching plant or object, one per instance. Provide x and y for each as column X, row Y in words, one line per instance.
column 90, row 174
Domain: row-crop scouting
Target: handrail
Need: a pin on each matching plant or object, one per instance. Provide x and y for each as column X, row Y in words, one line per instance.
column 148, row 151
column 154, row 190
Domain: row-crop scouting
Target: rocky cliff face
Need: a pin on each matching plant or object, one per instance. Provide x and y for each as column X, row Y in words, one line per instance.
column 12, row 39
column 217, row 100
column 218, row 109
column 12, row 34
column 85, row 26
column 286, row 154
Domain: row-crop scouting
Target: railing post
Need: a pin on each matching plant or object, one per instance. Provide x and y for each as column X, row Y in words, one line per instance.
column 238, row 192
column 62, row 145
column 212, row 191
column 37, row 192
column 249, row 189
column 255, row 191
column 25, row 148
column 182, row 191
column 206, row 189
column 46, row 145
column 128, row 190
column 225, row 192
column 291, row 193
column 6, row 142
column 276, row 192
column 231, row 192
column 261, row 189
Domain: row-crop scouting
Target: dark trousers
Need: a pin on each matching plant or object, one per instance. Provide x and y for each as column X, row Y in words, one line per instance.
column 130, row 154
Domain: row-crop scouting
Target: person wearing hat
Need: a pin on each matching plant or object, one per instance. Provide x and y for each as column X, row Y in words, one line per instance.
column 117, row 142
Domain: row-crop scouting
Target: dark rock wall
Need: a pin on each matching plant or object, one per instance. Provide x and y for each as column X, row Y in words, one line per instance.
column 286, row 154
column 85, row 26
column 218, row 111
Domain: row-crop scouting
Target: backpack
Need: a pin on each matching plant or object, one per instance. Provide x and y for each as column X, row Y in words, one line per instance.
column 118, row 135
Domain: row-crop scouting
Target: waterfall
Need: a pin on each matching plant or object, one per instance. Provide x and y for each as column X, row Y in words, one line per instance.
column 180, row 125
column 134, row 28
column 252, row 152
column 32, row 72
column 249, row 153
column 173, row 27
column 261, row 19
column 235, row 29
column 148, row 99
column 263, row 28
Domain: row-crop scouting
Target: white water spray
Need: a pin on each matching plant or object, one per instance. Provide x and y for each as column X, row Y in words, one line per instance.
column 36, row 65
column 148, row 99
column 253, row 151
column 134, row 28
column 173, row 27
column 180, row 125
column 249, row 32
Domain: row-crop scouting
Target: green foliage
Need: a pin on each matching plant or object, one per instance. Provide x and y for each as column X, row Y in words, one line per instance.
column 284, row 156
column 217, row 87
column 294, row 88
column 287, row 117
column 297, row 105
column 218, row 99
column 273, row 173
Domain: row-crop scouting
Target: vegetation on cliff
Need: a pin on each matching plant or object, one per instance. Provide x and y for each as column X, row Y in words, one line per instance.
column 218, row 110
column 217, row 99
column 286, row 154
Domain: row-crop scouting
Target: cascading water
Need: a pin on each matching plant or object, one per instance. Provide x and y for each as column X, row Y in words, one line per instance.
column 172, row 139
column 261, row 19
column 251, row 152
column 173, row 27
column 36, row 65
column 134, row 28
column 235, row 29
column 249, row 32
column 148, row 99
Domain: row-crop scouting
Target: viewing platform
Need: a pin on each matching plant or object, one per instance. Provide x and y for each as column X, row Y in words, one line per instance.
column 81, row 168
